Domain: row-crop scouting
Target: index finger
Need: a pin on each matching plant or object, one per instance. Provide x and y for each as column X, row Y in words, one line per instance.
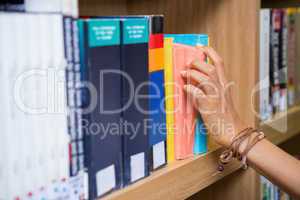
column 217, row 61
column 212, row 55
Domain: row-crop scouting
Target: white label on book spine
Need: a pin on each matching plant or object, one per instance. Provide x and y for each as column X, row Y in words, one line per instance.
column 291, row 97
column 283, row 100
column 276, row 98
column 159, row 155
column 106, row 180
column 137, row 166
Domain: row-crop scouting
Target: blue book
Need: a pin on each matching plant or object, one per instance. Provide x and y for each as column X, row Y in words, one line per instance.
column 101, row 103
column 134, row 62
column 200, row 145
column 157, row 118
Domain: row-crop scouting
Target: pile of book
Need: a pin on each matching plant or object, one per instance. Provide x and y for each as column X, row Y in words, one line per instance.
column 269, row 191
column 279, row 67
column 93, row 104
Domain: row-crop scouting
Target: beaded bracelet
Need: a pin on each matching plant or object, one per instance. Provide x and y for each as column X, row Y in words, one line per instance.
column 233, row 151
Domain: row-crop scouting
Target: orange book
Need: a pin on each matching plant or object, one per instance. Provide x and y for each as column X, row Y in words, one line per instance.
column 184, row 112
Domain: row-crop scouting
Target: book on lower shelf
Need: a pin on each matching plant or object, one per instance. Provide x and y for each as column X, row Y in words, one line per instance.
column 269, row 191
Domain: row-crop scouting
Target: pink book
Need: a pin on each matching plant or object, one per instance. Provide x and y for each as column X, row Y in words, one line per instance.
column 184, row 112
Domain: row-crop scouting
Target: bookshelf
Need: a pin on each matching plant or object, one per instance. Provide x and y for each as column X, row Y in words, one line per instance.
column 233, row 29
column 291, row 118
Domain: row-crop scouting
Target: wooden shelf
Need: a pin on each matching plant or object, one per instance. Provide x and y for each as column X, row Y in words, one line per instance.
column 182, row 179
column 288, row 122
column 179, row 180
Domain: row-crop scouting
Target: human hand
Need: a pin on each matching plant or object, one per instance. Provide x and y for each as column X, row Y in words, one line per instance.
column 207, row 87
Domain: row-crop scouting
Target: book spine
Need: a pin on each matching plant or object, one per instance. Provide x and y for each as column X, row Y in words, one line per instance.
column 34, row 123
column 9, row 152
column 187, row 148
column 85, row 117
column 264, row 64
column 297, row 52
column 70, row 82
column 78, row 95
column 135, row 36
column 283, row 61
column 157, row 131
column 201, row 140
column 276, row 23
column 102, row 128
column 184, row 115
column 169, row 98
column 62, row 136
column 291, row 56
column 21, row 47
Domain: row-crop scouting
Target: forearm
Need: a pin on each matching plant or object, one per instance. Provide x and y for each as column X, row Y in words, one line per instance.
column 277, row 165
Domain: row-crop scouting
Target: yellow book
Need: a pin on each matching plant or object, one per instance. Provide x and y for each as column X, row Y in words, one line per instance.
column 168, row 44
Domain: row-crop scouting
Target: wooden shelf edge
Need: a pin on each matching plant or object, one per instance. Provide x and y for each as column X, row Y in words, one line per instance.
column 182, row 179
column 283, row 127
column 177, row 180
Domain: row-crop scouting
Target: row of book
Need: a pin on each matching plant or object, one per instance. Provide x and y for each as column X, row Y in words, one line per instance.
column 155, row 121
column 93, row 104
column 269, row 191
column 279, row 67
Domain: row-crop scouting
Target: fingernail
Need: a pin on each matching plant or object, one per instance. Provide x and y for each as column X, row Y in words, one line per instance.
column 200, row 46
column 196, row 62
column 183, row 73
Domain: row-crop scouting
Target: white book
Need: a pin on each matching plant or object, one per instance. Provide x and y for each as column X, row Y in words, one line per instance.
column 20, row 62
column 34, row 147
column 52, row 116
column 5, row 109
column 264, row 63
column 43, row 6
column 13, row 117
column 33, row 121
column 21, row 58
column 40, row 100
column 11, row 134
column 57, row 51
column 61, row 109
column 45, row 52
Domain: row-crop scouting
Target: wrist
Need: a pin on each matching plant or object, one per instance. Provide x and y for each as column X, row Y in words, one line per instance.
column 245, row 143
column 236, row 129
